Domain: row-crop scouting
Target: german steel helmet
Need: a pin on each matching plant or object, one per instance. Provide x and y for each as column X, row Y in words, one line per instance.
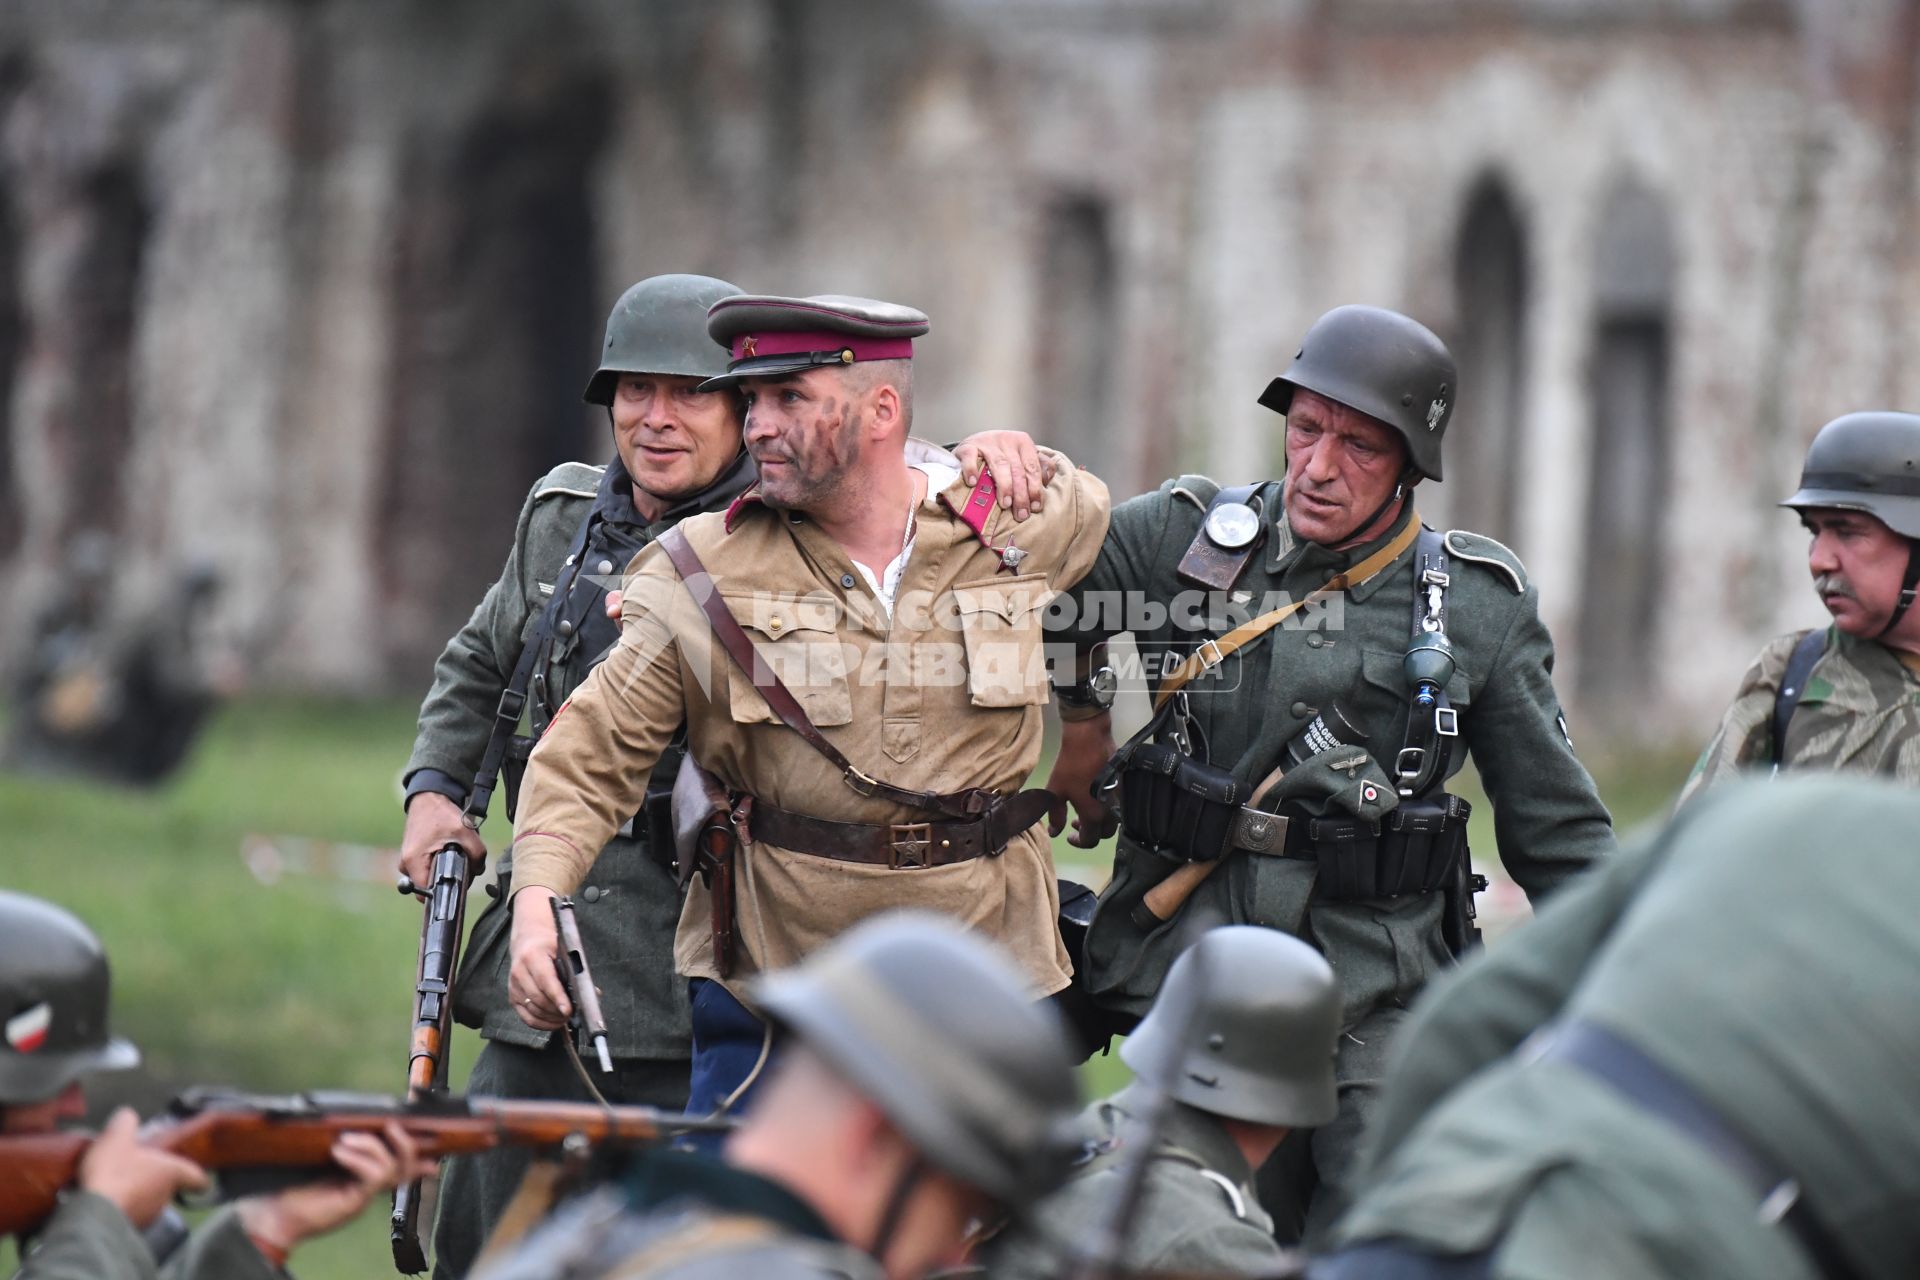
column 1866, row 462
column 1385, row 365
column 1260, row 1013
column 53, row 1002
column 660, row 326
column 942, row 1034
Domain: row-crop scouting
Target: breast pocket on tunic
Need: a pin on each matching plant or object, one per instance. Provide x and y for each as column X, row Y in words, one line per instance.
column 802, row 645
column 1000, row 620
column 1385, row 695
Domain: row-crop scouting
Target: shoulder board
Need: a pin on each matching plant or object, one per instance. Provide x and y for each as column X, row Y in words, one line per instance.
column 1178, row 1155
column 1197, row 489
column 572, row 480
column 1484, row 550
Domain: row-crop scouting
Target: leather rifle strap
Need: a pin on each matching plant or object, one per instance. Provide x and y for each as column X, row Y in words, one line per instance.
column 1212, row 653
column 746, row 655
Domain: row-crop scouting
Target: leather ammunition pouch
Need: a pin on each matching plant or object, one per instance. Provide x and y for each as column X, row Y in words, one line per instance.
column 1181, row 807
column 1419, row 848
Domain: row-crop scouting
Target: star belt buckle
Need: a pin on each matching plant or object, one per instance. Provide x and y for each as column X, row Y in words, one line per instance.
column 911, row 843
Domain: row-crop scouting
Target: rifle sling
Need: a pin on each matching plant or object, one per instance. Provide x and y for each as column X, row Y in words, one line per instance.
column 513, row 699
column 1212, row 653
column 746, row 655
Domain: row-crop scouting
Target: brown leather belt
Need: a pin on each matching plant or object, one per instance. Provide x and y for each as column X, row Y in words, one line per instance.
column 903, row 846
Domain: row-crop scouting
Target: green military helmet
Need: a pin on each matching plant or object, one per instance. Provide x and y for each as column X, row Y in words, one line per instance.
column 1866, row 462
column 53, row 1002
column 660, row 326
column 1256, row 1014
column 941, row 1033
column 1384, row 364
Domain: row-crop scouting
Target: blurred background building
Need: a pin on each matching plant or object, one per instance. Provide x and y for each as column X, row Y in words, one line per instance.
column 310, row 289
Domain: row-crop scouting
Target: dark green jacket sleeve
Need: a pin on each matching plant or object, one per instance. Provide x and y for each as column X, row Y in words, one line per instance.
column 457, row 716
column 1548, row 818
column 88, row 1238
column 219, row 1250
column 1136, row 532
column 1483, row 1010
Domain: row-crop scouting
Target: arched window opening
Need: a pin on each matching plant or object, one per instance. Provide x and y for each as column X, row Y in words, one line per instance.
column 1074, row 338
column 498, row 320
column 1486, row 439
column 1630, row 448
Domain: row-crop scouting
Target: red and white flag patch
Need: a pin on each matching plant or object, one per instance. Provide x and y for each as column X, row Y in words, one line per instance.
column 27, row 1030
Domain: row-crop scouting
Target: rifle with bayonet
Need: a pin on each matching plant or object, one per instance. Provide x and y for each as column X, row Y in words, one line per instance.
column 257, row 1143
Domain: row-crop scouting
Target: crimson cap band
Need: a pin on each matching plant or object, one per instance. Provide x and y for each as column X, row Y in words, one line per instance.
column 768, row 336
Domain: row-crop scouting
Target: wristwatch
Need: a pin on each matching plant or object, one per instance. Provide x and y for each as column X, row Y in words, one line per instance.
column 1096, row 690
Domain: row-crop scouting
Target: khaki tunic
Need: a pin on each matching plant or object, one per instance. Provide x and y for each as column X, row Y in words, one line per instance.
column 1860, row 713
column 945, row 695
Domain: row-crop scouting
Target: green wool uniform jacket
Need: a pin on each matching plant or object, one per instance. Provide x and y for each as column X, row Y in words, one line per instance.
column 1548, row 819
column 1199, row 1214
column 629, row 906
column 88, row 1238
column 1762, row 951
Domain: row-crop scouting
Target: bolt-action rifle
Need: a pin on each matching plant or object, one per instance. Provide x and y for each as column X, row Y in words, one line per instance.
column 256, row 1143
column 427, row 1059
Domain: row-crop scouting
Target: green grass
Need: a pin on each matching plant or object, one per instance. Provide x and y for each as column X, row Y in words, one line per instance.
column 304, row 981
column 300, row 983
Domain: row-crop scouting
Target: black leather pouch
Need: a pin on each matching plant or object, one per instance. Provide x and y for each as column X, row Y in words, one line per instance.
column 1177, row 804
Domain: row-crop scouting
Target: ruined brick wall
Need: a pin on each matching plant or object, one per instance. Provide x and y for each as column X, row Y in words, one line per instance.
column 310, row 289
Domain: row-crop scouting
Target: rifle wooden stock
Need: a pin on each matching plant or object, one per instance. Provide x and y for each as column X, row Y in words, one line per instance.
column 240, row 1133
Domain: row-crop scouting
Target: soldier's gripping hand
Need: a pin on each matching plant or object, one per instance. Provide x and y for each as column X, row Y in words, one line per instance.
column 532, row 982
column 432, row 821
column 140, row 1181
column 1020, row 474
column 373, row 1163
column 1085, row 748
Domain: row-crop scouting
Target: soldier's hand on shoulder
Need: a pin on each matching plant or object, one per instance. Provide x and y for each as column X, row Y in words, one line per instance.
column 138, row 1180
column 532, row 982
column 1020, row 473
column 433, row 821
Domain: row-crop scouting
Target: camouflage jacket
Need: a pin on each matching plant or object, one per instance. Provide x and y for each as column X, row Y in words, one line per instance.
column 1860, row 713
column 1199, row 1213
column 1548, row 820
column 629, row 907
column 88, row 1238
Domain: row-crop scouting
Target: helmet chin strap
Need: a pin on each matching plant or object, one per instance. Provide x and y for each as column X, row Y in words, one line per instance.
column 1398, row 492
column 1909, row 587
column 896, row 1206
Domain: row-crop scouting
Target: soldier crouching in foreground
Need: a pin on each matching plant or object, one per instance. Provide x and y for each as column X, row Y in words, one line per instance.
column 1241, row 1043
column 920, row 1094
column 114, row 1223
column 1697, row 1061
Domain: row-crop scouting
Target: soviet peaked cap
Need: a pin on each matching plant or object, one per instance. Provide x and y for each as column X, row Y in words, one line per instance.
column 768, row 336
